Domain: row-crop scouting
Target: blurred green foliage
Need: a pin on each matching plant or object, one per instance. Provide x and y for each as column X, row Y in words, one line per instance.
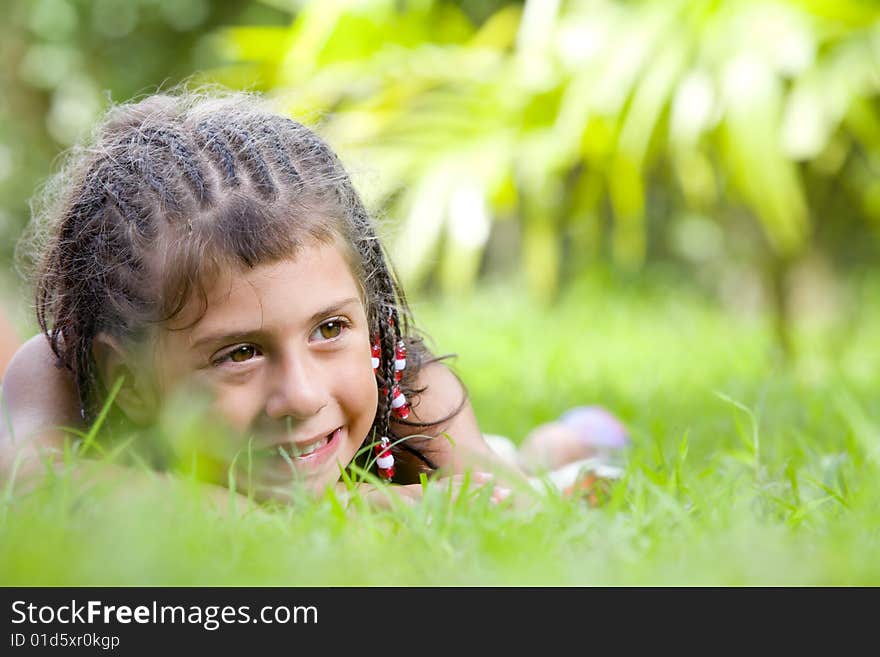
column 63, row 61
column 726, row 135
column 737, row 139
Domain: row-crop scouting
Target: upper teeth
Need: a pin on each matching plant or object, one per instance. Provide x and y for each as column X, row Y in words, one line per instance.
column 308, row 449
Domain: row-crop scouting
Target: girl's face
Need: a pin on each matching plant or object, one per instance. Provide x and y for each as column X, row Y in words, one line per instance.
column 284, row 352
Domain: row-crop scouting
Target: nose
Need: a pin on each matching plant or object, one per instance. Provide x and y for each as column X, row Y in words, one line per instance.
column 297, row 389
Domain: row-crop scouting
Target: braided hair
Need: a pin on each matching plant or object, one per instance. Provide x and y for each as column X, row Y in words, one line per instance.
column 173, row 187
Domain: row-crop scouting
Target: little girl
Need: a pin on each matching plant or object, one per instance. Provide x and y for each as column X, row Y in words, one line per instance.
column 203, row 245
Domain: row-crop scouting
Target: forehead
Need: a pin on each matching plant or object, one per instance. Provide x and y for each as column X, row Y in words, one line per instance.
column 277, row 293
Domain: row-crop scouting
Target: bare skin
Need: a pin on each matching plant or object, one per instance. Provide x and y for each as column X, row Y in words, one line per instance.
column 38, row 398
column 290, row 375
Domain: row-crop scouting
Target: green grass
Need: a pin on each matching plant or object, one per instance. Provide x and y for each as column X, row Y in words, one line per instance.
column 743, row 471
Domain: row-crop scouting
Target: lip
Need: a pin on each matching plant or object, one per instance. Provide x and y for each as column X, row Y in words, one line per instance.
column 315, row 460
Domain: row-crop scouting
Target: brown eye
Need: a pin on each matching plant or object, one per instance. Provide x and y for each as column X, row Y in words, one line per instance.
column 242, row 354
column 330, row 330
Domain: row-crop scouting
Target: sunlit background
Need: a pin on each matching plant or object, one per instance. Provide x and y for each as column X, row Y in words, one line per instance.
column 734, row 142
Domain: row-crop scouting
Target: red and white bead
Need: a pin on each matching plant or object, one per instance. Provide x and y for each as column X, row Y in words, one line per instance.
column 375, row 355
column 399, row 360
column 384, row 459
column 399, row 406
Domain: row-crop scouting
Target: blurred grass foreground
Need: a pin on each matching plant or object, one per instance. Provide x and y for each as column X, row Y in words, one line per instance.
column 668, row 208
column 739, row 474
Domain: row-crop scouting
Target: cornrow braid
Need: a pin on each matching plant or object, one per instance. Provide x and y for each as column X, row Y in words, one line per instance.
column 100, row 185
column 212, row 140
column 270, row 132
column 144, row 169
column 116, row 191
column 183, row 156
column 253, row 160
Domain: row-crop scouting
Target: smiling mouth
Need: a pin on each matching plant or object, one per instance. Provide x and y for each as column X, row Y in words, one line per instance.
column 303, row 452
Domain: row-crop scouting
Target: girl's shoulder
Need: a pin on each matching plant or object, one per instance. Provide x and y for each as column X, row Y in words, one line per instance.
column 37, row 393
column 38, row 398
column 442, row 393
column 444, row 411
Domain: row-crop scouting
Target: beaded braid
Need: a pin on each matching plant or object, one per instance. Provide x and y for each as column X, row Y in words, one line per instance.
column 391, row 325
column 388, row 338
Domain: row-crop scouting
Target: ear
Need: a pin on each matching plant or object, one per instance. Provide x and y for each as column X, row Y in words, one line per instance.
column 137, row 397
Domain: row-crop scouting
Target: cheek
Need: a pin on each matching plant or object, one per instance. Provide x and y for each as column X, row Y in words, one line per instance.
column 237, row 406
column 225, row 408
column 358, row 392
column 174, row 375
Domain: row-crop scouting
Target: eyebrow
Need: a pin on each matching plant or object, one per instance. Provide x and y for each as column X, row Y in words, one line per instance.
column 237, row 336
column 333, row 308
